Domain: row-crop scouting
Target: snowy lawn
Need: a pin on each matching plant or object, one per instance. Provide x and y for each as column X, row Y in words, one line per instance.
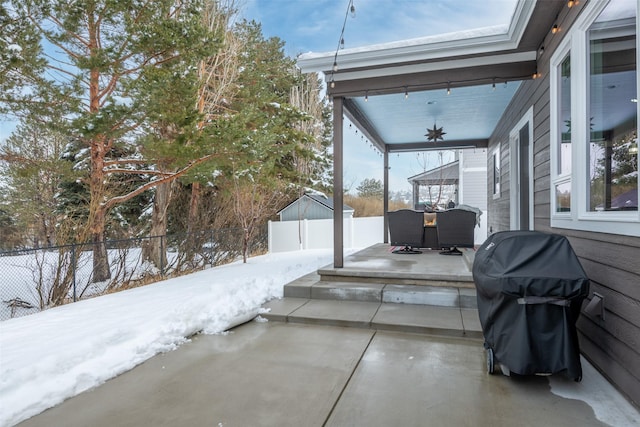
column 50, row 356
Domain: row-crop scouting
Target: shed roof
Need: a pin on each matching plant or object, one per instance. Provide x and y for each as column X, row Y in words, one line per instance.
column 442, row 175
column 320, row 199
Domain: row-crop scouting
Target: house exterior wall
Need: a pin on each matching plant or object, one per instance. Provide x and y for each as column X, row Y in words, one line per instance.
column 473, row 175
column 612, row 344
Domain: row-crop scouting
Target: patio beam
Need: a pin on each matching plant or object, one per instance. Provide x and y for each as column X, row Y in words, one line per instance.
column 439, row 145
column 436, row 79
column 358, row 118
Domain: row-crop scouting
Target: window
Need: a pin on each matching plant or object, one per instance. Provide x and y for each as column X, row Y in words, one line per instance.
column 594, row 121
column 564, row 156
column 613, row 168
column 496, row 173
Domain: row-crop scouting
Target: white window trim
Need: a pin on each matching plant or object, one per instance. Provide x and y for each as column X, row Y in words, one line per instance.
column 495, row 155
column 555, row 77
column 513, row 172
column 580, row 218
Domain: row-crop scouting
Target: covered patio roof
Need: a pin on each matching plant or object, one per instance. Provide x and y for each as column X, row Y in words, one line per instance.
column 455, row 86
column 461, row 82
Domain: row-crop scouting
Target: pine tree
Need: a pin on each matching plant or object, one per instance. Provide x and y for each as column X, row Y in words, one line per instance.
column 370, row 187
column 264, row 132
column 108, row 47
column 32, row 169
column 21, row 61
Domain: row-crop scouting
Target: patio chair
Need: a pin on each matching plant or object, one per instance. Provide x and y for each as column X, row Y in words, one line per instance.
column 455, row 229
column 406, row 228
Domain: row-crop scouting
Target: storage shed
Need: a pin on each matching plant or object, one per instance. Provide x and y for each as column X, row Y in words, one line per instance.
column 312, row 206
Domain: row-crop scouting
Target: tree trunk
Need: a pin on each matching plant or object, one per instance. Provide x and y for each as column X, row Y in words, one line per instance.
column 194, row 204
column 97, row 212
column 101, row 270
column 246, row 238
column 156, row 250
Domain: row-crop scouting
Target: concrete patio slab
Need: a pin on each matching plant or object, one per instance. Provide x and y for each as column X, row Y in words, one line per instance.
column 412, row 380
column 379, row 263
column 285, row 374
column 258, row 375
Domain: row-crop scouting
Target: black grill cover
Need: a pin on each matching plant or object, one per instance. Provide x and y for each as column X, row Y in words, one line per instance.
column 530, row 288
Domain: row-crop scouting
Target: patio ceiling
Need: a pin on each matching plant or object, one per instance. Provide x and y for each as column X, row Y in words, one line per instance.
column 460, row 82
column 467, row 115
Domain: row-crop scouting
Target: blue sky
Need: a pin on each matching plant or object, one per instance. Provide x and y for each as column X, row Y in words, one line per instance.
column 315, row 25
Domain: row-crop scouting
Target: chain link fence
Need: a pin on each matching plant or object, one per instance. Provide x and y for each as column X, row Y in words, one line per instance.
column 34, row 280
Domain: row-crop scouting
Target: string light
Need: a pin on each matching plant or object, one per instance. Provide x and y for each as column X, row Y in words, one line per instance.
column 555, row 29
column 406, row 93
column 483, row 81
column 351, row 9
column 493, row 85
column 366, row 96
column 572, row 3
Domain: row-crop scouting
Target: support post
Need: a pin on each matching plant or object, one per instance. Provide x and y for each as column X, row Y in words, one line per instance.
column 338, row 190
column 385, row 205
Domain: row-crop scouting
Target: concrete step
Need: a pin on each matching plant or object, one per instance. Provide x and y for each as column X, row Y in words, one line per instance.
column 445, row 296
column 447, row 279
column 413, row 318
column 432, row 310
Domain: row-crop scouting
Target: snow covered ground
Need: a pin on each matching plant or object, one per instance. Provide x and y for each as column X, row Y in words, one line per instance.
column 50, row 356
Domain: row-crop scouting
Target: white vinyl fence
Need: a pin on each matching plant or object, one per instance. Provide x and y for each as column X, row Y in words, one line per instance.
column 287, row 236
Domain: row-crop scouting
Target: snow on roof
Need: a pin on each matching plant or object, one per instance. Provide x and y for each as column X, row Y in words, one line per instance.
column 466, row 35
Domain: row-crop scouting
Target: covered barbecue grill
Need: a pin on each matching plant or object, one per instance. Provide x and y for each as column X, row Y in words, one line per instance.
column 530, row 288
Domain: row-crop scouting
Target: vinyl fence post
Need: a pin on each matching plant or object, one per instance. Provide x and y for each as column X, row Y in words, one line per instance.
column 73, row 267
column 162, row 255
column 212, row 249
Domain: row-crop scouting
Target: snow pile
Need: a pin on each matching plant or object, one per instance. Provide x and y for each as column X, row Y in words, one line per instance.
column 53, row 355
